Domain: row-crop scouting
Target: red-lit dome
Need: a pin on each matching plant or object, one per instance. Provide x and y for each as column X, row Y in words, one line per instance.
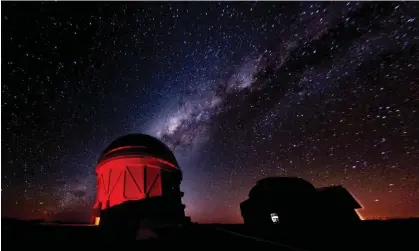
column 141, row 169
column 138, row 144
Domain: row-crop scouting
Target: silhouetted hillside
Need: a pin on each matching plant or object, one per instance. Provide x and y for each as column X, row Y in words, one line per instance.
column 369, row 235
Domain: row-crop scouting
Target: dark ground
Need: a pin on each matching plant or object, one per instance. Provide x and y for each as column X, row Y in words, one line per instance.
column 369, row 235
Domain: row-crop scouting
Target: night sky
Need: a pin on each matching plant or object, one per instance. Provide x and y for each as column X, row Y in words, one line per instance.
column 240, row 91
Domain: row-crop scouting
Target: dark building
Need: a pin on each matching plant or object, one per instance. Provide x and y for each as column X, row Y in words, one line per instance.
column 337, row 205
column 289, row 201
column 138, row 182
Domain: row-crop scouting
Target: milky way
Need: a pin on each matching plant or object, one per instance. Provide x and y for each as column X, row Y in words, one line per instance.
column 240, row 91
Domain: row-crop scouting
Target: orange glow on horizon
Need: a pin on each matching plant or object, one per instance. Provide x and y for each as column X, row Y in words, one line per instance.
column 359, row 215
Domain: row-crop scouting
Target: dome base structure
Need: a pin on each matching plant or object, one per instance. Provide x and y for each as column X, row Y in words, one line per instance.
column 152, row 212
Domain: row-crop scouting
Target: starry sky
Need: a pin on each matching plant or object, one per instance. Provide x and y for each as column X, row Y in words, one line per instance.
column 240, row 91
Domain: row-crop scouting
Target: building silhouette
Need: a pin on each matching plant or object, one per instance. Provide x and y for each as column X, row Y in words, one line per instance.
column 290, row 201
column 138, row 182
column 337, row 205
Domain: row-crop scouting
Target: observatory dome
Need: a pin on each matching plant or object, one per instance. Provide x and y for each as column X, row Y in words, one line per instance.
column 296, row 203
column 281, row 185
column 138, row 144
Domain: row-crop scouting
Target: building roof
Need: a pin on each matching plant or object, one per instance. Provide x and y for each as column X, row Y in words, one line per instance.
column 282, row 185
column 138, row 144
column 338, row 196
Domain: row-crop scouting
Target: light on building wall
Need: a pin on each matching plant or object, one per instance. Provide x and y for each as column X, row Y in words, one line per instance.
column 97, row 221
column 274, row 218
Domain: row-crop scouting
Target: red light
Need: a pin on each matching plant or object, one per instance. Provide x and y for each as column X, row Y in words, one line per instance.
column 126, row 178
